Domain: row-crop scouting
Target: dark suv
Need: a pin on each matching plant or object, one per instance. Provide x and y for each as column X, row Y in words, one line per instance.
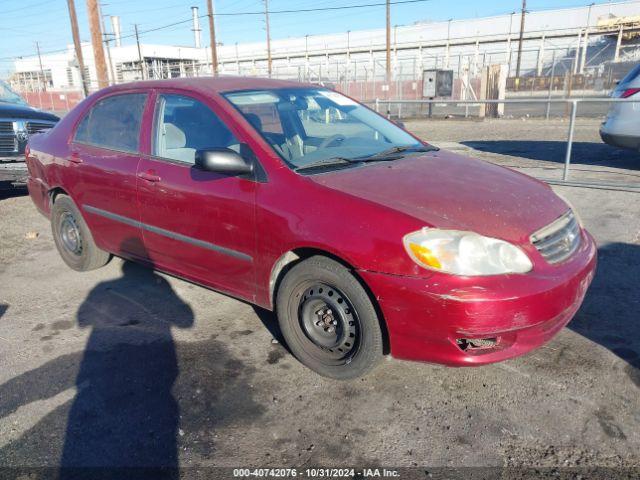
column 18, row 121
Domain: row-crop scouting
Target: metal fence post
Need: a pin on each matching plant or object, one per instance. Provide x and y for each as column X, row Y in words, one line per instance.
column 553, row 72
column 377, row 105
column 567, row 158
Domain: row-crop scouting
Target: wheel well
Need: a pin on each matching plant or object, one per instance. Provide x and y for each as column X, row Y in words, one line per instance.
column 53, row 193
column 293, row 257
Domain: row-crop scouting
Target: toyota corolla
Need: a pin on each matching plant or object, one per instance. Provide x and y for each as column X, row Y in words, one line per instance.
column 364, row 239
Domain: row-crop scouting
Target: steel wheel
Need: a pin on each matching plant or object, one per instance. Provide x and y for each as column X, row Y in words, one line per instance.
column 70, row 234
column 329, row 321
column 73, row 238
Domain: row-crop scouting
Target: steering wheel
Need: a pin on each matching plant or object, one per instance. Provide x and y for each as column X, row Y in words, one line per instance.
column 329, row 140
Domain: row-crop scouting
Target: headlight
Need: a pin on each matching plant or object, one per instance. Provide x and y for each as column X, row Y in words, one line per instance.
column 464, row 253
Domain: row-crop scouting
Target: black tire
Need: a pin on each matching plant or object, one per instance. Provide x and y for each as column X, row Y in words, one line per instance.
column 73, row 238
column 319, row 294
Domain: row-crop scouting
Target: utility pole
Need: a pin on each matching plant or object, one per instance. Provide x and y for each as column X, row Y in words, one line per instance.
column 524, row 11
column 448, row 49
column 266, row 19
column 509, row 44
column 388, row 79
column 140, row 60
column 348, row 46
column 44, row 79
column 76, row 44
column 237, row 59
column 585, row 41
column 306, row 56
column 96, row 41
column 106, row 40
column 212, row 33
column 395, row 42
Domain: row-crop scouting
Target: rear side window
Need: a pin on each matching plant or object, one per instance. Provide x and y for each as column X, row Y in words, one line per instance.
column 114, row 123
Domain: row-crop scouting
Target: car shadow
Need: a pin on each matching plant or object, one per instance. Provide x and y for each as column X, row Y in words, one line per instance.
column 583, row 153
column 609, row 315
column 11, row 192
column 270, row 322
column 121, row 406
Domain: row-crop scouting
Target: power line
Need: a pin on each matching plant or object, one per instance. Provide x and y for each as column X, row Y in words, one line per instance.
column 23, row 7
column 322, row 9
column 189, row 20
column 303, row 10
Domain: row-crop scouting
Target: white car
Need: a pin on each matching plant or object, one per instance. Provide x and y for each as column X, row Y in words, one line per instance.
column 622, row 125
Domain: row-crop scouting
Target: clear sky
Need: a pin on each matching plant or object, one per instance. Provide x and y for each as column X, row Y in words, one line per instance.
column 23, row 22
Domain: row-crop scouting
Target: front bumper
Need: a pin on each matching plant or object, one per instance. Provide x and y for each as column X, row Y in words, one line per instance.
column 427, row 317
column 622, row 141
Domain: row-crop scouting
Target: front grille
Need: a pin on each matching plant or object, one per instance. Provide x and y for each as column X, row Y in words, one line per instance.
column 35, row 127
column 559, row 240
column 6, row 127
column 7, row 144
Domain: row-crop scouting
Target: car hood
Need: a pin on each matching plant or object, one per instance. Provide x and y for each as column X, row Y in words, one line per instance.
column 445, row 190
column 14, row 110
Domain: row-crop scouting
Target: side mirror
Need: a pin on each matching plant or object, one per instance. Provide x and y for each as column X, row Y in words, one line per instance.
column 222, row 160
column 400, row 123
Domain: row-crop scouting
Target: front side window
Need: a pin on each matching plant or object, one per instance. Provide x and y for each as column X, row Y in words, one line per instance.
column 316, row 126
column 114, row 123
column 184, row 125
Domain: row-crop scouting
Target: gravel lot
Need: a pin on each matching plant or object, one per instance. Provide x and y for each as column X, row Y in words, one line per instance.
column 123, row 366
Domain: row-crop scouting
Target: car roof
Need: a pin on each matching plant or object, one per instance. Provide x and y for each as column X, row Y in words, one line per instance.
column 219, row 84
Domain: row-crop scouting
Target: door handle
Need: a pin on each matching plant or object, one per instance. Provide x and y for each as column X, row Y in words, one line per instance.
column 75, row 157
column 149, row 176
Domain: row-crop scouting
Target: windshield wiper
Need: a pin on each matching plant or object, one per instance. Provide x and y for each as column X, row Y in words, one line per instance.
column 327, row 162
column 385, row 155
column 391, row 153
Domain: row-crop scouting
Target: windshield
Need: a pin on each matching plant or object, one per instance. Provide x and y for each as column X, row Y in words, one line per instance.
column 313, row 126
column 9, row 96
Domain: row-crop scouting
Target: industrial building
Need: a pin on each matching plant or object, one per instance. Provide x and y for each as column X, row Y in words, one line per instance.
column 60, row 70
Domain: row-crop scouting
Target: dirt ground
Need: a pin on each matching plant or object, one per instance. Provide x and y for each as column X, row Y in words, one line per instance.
column 124, row 366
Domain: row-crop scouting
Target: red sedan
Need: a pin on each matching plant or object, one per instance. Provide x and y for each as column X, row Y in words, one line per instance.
column 364, row 239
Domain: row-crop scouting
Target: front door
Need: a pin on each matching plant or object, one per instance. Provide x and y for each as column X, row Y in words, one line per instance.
column 197, row 224
column 104, row 156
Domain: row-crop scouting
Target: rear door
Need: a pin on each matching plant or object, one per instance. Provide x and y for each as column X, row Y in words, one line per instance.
column 104, row 156
column 197, row 224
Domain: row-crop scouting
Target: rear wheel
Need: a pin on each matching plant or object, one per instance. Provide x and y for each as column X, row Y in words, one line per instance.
column 328, row 320
column 73, row 238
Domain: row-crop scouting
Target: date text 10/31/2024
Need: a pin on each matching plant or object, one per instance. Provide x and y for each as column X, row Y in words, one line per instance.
column 316, row 473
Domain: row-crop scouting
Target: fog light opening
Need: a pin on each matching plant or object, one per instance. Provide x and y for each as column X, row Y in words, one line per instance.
column 465, row 344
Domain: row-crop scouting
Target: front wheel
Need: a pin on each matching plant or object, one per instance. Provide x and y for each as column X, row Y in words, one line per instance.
column 328, row 320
